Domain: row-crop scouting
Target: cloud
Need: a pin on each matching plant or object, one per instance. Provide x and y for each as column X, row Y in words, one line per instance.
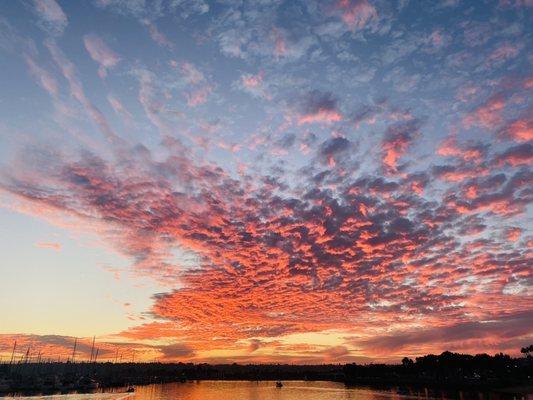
column 395, row 193
column 521, row 154
column 176, row 351
column 252, row 81
column 52, row 17
column 252, row 32
column 139, row 9
column 254, row 84
column 519, row 130
column 318, row 107
column 119, row 108
column 148, row 13
column 356, row 14
column 198, row 95
column 43, row 77
column 513, row 233
column 455, row 335
column 191, row 73
column 332, row 149
column 49, row 245
column 472, row 153
column 254, row 345
column 503, row 53
column 335, row 352
column 156, row 35
column 101, row 53
column 269, row 265
column 489, row 114
column 59, row 347
column 396, row 141
column 504, row 113
column 76, row 89
column 458, row 173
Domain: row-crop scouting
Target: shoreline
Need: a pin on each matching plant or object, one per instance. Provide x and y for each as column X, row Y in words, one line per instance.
column 392, row 387
column 447, row 371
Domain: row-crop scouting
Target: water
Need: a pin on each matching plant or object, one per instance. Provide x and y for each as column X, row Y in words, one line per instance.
column 263, row 390
column 266, row 390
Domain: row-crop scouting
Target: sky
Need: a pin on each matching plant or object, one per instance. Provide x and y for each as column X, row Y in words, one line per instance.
column 265, row 181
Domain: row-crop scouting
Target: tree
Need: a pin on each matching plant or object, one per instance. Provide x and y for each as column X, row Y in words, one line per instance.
column 527, row 350
column 407, row 362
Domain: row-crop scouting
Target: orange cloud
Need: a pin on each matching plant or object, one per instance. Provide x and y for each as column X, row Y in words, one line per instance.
column 320, row 116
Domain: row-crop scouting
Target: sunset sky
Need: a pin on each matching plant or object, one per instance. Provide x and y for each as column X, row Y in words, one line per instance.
column 265, row 181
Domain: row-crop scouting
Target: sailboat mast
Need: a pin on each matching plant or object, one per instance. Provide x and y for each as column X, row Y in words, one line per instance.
column 92, row 349
column 74, row 349
column 13, row 353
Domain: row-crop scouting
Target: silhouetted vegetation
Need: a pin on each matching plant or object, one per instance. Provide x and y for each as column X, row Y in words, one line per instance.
column 65, row 377
column 447, row 369
column 527, row 350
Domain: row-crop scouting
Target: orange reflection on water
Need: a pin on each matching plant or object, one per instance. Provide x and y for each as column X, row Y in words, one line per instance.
column 258, row 390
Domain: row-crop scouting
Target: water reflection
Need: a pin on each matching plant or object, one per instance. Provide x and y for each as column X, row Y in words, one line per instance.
column 300, row 390
column 264, row 390
column 267, row 390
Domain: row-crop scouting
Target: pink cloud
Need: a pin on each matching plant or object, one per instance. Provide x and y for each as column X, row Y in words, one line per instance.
column 367, row 246
column 43, row 77
column 318, row 107
column 520, row 130
column 450, row 148
column 52, row 15
column 76, row 89
column 191, row 73
column 118, row 107
column 503, row 53
column 487, row 115
column 101, row 53
column 156, row 35
column 396, row 142
column 323, row 116
column 198, row 95
column 252, row 81
column 356, row 14
column 280, row 45
column 512, row 234
column 255, row 85
column 521, row 154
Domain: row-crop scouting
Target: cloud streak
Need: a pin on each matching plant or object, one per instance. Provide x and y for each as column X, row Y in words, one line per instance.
column 101, row 53
column 52, row 16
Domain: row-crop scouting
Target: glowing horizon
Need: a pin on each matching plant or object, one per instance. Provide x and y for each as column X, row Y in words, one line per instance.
column 278, row 181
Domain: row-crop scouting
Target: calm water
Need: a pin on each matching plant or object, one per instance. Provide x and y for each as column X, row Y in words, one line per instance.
column 263, row 390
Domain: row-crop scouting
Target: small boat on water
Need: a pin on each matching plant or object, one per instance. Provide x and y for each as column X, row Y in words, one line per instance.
column 279, row 384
